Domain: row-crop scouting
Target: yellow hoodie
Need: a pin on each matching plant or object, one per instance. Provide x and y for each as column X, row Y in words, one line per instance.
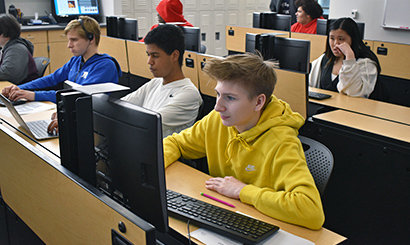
column 269, row 158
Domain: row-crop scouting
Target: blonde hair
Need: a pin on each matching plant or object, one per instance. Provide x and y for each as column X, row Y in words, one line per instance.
column 90, row 24
column 249, row 70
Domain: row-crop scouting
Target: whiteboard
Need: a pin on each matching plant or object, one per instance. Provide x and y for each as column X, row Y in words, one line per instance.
column 396, row 14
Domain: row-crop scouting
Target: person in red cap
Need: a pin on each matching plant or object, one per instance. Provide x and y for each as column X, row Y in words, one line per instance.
column 170, row 12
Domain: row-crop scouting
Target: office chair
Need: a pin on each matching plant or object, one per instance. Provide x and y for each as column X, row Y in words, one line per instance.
column 202, row 49
column 319, row 160
column 41, row 64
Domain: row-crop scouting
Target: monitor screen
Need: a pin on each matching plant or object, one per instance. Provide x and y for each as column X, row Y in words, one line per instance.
column 75, row 7
column 192, row 38
column 321, row 28
column 293, row 54
column 282, row 22
column 128, row 28
column 129, row 152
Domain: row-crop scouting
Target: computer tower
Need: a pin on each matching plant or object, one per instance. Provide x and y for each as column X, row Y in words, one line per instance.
column 252, row 42
column 267, row 46
column 256, row 21
column 75, row 124
column 112, row 26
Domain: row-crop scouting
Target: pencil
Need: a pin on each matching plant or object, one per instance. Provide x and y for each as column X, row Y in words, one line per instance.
column 216, row 199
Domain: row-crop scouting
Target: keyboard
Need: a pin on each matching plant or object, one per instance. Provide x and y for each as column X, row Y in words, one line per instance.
column 318, row 96
column 14, row 102
column 219, row 220
column 39, row 128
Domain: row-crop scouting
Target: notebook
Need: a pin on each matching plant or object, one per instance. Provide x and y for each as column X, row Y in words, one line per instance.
column 36, row 129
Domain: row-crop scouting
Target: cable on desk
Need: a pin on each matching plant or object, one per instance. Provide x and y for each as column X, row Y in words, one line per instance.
column 189, row 233
column 28, row 136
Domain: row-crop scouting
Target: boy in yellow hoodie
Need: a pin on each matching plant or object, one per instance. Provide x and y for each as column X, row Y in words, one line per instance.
column 250, row 141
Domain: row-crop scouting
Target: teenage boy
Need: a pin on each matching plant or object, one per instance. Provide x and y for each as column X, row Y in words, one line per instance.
column 170, row 93
column 16, row 56
column 87, row 66
column 250, row 141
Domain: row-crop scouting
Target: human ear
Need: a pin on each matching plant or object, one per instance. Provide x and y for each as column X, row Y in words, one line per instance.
column 175, row 55
column 260, row 102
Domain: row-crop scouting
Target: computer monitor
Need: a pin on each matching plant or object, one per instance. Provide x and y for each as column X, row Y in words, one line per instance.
column 112, row 26
column 115, row 146
column 264, row 20
column 128, row 28
column 192, row 38
column 293, row 54
column 360, row 26
column 282, row 22
column 264, row 43
column 129, row 152
column 67, row 10
column 321, row 28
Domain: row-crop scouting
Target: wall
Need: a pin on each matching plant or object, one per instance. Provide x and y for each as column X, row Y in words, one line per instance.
column 371, row 13
column 29, row 7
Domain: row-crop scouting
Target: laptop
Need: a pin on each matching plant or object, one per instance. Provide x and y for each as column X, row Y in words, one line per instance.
column 36, row 129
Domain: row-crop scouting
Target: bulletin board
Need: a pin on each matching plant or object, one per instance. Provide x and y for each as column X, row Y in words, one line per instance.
column 396, row 14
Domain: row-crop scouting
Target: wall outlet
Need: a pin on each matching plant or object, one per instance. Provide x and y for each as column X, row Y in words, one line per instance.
column 353, row 14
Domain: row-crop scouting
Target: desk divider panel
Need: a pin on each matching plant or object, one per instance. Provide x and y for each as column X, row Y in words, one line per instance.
column 236, row 36
column 53, row 203
column 291, row 86
column 317, row 43
column 137, row 58
column 190, row 67
column 115, row 47
column 393, row 59
column 206, row 83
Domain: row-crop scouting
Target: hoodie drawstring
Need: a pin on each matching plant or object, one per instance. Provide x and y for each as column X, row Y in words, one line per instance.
column 230, row 147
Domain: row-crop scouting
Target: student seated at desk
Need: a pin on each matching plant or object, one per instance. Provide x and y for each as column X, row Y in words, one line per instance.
column 86, row 67
column 250, row 141
column 170, row 93
column 308, row 11
column 16, row 60
column 171, row 12
column 347, row 66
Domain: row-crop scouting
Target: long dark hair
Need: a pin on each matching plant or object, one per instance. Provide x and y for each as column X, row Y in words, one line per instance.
column 359, row 48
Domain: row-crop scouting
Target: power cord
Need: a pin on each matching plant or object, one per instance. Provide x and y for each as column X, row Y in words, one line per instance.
column 189, row 233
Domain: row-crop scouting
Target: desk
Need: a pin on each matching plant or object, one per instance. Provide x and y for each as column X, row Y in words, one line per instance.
column 28, row 170
column 196, row 180
column 51, row 144
column 373, row 108
column 369, row 182
column 377, row 126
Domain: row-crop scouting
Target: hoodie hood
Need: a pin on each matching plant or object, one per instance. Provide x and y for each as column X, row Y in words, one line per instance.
column 276, row 114
column 26, row 43
column 171, row 11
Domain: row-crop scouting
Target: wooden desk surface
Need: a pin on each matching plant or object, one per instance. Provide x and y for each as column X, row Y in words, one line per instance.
column 373, row 108
column 196, row 180
column 368, row 124
column 55, row 206
column 50, row 144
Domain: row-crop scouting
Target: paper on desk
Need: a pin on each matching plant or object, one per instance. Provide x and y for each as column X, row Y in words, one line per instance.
column 280, row 237
column 29, row 107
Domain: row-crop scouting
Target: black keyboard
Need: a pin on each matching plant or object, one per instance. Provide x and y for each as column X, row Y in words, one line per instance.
column 225, row 222
column 318, row 96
